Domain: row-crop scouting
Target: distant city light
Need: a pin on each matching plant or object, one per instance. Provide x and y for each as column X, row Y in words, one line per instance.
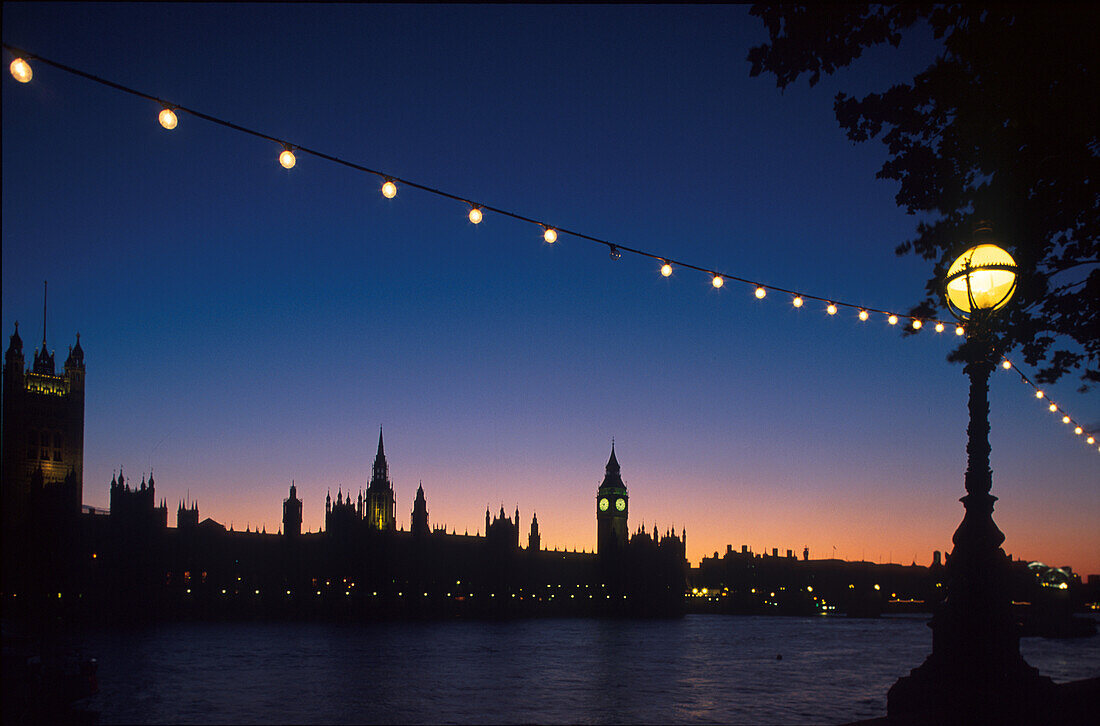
column 168, row 118
column 21, row 70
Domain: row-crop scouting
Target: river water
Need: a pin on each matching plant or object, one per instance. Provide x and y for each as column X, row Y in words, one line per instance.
column 701, row 669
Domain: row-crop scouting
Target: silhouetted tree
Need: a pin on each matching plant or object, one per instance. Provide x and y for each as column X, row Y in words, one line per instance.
column 1001, row 126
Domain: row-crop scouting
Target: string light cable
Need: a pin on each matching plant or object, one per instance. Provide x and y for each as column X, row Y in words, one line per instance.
column 169, row 118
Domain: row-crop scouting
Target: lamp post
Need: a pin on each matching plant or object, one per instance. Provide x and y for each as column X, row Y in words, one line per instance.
column 975, row 672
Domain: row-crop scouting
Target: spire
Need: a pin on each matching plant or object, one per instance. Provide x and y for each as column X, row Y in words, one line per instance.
column 613, row 463
column 381, row 450
column 381, row 475
column 612, row 476
column 44, row 290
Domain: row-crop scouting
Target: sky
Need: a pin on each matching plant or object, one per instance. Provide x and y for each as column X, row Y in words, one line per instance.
column 246, row 326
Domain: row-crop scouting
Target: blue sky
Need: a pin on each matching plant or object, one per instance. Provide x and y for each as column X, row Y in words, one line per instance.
column 245, row 325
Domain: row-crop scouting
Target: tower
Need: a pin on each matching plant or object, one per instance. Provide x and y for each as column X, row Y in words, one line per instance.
column 420, row 512
column 292, row 513
column 380, row 500
column 611, row 508
column 534, row 541
column 43, row 449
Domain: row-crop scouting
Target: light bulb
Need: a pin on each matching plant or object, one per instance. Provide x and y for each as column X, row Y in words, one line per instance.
column 1052, row 408
column 1038, row 394
column 666, row 269
column 959, row 330
column 831, row 309
column 893, row 320
column 286, row 158
column 475, row 215
column 21, row 70
column 614, row 252
column 1006, row 365
column 1078, row 431
column 1091, row 439
column 760, row 293
column 939, row 327
column 1065, row 419
column 389, row 190
column 717, row 281
column 550, row 235
column 797, row 302
column 863, row 315
column 168, row 119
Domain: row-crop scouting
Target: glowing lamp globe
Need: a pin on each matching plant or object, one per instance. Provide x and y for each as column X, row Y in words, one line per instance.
column 389, row 190
column 168, row 119
column 476, row 215
column 21, row 70
column 550, row 235
column 666, row 269
column 982, row 279
column 286, row 158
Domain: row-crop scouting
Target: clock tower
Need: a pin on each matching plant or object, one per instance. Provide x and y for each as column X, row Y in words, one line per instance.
column 611, row 508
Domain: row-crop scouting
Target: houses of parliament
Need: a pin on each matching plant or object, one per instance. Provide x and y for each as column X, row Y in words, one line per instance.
column 128, row 561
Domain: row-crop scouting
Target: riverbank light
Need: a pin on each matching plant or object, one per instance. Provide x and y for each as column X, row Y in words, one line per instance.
column 168, row 118
column 21, row 70
column 981, row 279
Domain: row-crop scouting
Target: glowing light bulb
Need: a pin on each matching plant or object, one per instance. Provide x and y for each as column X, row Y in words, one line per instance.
column 717, row 281
column 1038, row 394
column 389, row 190
column 550, row 235
column 831, row 309
column 1053, row 408
column 893, row 320
column 863, row 315
column 760, row 293
column 168, row 118
column 666, row 269
column 797, row 302
column 476, row 215
column 287, row 159
column 1078, row 431
column 1091, row 439
column 21, row 70
column 1065, row 419
column 939, row 327
column 1006, row 365
column 959, row 330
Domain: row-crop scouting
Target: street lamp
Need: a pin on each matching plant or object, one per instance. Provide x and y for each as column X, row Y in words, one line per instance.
column 975, row 671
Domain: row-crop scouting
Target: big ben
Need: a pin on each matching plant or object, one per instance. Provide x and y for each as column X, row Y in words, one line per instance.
column 611, row 509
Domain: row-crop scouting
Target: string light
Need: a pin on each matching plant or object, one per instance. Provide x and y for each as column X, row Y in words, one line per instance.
column 1053, row 408
column 167, row 118
column 286, row 158
column 21, row 70
column 1078, row 431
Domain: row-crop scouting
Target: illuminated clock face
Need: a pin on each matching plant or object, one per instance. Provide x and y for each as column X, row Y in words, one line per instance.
column 604, row 504
column 620, row 504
